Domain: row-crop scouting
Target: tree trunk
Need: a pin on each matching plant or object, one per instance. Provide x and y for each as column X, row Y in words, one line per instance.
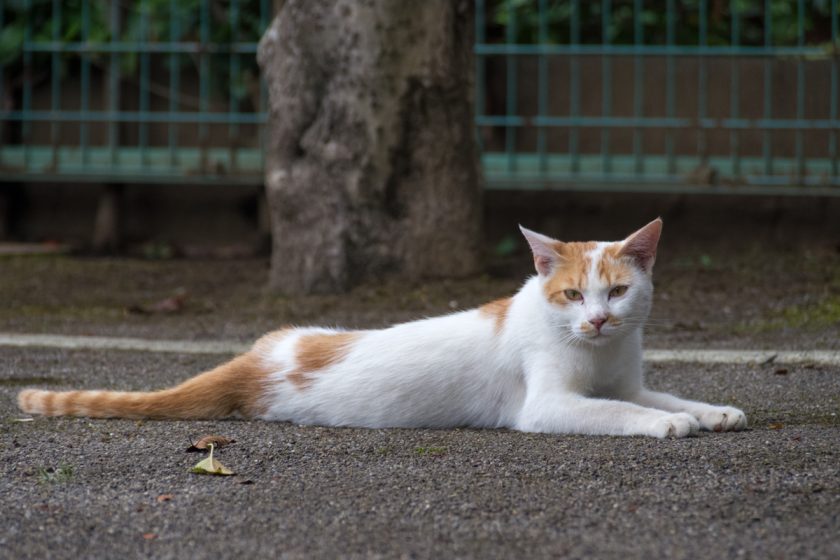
column 371, row 163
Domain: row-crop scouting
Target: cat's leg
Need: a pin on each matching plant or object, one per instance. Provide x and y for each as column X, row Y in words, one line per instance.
column 574, row 414
column 711, row 417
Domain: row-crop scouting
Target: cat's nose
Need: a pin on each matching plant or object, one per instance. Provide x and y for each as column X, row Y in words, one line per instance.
column 597, row 322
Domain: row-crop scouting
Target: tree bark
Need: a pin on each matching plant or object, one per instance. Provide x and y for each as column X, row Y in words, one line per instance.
column 371, row 164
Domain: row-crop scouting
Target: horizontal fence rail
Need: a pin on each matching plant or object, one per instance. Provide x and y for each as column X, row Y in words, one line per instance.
column 143, row 91
column 737, row 97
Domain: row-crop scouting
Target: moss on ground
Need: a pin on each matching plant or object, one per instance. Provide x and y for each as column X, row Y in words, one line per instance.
column 818, row 315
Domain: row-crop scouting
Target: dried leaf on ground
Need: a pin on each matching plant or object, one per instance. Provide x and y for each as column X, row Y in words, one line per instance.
column 211, row 466
column 203, row 443
column 173, row 304
column 165, row 498
column 150, row 536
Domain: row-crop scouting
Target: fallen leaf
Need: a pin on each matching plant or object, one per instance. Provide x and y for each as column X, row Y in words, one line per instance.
column 203, row 443
column 173, row 304
column 211, row 466
column 150, row 536
column 23, row 419
column 165, row 498
column 775, row 425
column 781, row 371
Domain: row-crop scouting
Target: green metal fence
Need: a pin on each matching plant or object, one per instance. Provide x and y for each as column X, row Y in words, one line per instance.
column 682, row 96
column 728, row 97
column 137, row 91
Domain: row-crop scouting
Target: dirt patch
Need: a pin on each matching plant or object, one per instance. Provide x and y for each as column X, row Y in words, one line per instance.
column 756, row 297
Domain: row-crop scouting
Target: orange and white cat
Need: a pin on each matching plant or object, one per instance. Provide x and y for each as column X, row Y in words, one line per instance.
column 563, row 355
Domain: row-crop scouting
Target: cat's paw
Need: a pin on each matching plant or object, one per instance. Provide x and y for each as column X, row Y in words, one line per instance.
column 721, row 419
column 676, row 425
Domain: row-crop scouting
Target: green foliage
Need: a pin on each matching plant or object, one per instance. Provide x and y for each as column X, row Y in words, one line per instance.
column 215, row 23
column 653, row 17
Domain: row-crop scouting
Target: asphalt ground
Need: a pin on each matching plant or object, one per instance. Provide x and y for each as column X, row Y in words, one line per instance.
column 80, row 488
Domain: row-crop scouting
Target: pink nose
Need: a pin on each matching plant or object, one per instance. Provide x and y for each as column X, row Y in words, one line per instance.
column 598, row 322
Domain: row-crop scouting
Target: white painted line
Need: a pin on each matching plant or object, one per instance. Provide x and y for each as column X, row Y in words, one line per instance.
column 114, row 343
column 823, row 357
column 788, row 357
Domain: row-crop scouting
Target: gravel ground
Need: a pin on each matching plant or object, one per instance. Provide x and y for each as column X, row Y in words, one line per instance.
column 81, row 488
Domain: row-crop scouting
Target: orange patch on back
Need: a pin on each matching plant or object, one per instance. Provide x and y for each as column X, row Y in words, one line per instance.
column 497, row 309
column 572, row 270
column 317, row 351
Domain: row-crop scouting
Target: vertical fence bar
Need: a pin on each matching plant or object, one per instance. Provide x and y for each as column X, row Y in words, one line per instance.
column 84, row 128
column 233, row 128
column 767, row 150
column 638, row 86
column 670, row 102
column 55, row 73
column 835, row 91
column 175, row 12
column 143, row 136
column 702, row 85
column 204, row 82
column 800, row 92
column 606, row 87
column 3, row 126
column 735, row 88
column 574, row 93
column 265, row 14
column 479, row 70
column 114, row 87
column 26, row 125
column 542, row 86
column 510, row 89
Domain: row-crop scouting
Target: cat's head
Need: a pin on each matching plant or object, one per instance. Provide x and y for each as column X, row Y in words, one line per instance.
column 597, row 291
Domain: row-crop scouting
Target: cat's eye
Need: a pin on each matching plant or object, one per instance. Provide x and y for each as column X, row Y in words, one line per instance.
column 618, row 291
column 573, row 295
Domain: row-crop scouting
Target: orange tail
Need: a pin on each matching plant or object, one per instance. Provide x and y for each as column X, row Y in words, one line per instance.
column 235, row 387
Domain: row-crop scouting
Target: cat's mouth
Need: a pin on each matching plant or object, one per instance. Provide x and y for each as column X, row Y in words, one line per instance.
column 593, row 336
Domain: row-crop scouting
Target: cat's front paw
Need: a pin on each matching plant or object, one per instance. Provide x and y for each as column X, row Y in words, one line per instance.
column 722, row 419
column 676, row 425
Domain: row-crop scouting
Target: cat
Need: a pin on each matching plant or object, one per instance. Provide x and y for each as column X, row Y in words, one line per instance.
column 563, row 355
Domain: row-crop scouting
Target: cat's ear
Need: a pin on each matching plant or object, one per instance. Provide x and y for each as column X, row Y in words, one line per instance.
column 641, row 245
column 544, row 249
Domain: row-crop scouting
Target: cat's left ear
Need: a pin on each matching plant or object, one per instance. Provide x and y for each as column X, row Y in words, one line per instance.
column 546, row 256
column 641, row 245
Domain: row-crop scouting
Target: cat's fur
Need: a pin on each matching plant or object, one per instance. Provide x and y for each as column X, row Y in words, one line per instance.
column 564, row 355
